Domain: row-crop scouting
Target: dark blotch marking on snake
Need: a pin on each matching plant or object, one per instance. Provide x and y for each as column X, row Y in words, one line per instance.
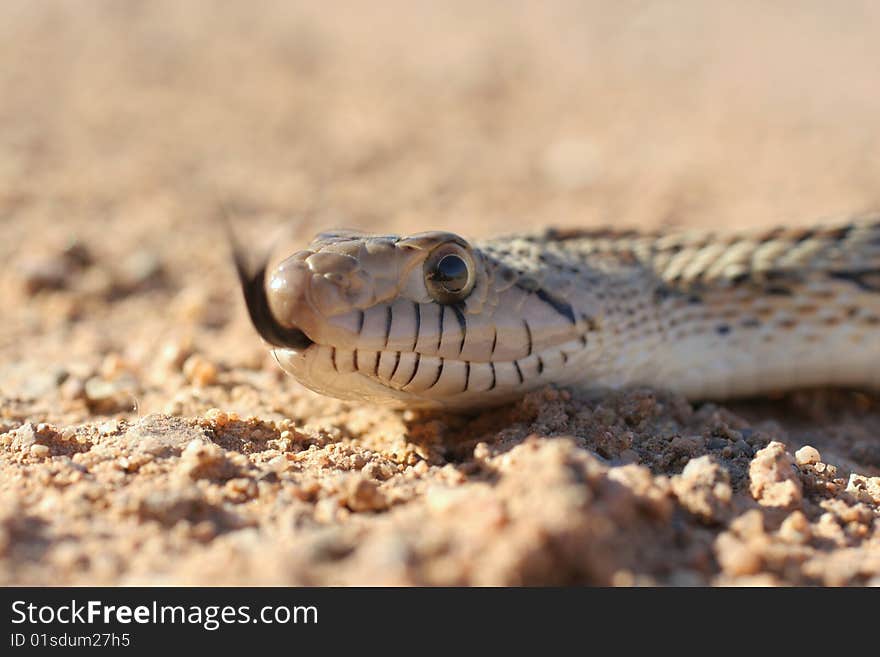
column 415, row 370
column 439, row 373
column 418, row 325
column 867, row 279
column 440, row 334
column 462, row 322
column 388, row 319
column 562, row 307
column 396, row 365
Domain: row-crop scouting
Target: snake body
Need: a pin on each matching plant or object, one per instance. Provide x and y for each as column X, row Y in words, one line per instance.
column 391, row 319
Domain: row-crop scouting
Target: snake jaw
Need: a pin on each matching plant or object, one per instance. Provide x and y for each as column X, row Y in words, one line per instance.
column 352, row 317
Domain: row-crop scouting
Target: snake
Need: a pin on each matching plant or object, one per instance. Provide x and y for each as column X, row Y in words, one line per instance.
column 432, row 320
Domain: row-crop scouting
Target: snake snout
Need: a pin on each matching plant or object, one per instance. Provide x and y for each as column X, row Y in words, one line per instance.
column 285, row 291
column 268, row 309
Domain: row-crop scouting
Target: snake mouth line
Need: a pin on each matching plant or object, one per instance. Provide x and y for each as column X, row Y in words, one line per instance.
column 420, row 373
column 293, row 339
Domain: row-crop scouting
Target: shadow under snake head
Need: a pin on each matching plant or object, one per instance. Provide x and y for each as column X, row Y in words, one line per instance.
column 420, row 321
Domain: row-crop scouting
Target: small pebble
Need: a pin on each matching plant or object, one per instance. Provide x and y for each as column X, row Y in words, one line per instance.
column 807, row 455
column 200, row 371
column 795, row 528
column 217, row 417
column 773, row 478
column 106, row 397
column 864, row 489
column 24, row 437
column 112, row 366
column 482, row 451
column 108, row 428
column 173, row 355
column 72, row 389
column 363, row 494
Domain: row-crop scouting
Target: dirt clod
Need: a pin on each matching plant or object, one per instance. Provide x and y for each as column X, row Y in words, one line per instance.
column 703, row 488
column 774, row 477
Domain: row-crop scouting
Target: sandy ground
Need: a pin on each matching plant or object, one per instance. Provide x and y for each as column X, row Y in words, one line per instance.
column 146, row 436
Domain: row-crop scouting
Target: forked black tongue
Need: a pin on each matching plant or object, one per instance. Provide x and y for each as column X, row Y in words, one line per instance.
column 253, row 286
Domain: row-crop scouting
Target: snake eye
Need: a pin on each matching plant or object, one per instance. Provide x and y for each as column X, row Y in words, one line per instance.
column 449, row 273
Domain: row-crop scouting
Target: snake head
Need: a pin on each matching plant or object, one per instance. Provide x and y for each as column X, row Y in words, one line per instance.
column 420, row 320
column 333, row 291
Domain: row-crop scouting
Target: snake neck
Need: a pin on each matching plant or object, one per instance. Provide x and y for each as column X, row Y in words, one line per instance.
column 712, row 315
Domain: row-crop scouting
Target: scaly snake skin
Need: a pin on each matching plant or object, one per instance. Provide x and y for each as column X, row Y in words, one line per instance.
column 704, row 314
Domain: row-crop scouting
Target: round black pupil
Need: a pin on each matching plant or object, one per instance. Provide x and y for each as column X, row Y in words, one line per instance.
column 452, row 273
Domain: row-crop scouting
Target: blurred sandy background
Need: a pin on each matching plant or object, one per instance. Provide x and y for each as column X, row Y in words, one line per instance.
column 134, row 116
column 126, row 127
